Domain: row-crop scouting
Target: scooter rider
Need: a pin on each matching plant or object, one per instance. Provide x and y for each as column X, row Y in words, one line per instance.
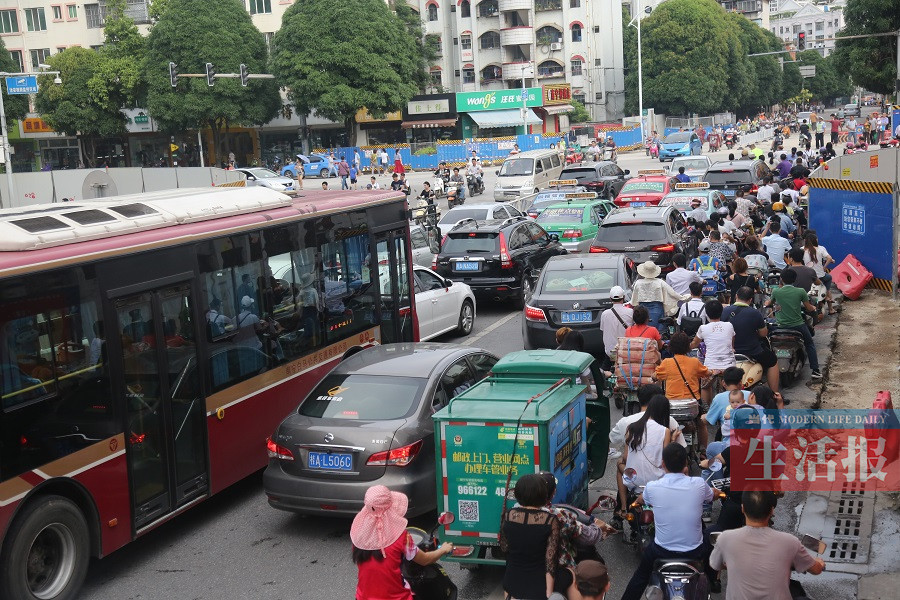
column 749, row 332
column 473, row 169
column 791, row 302
column 457, row 179
column 759, row 559
column 677, row 502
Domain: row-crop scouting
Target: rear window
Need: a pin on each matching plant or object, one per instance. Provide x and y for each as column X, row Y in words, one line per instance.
column 683, row 203
column 579, row 280
column 468, row 243
column 728, row 177
column 579, row 174
column 363, row 397
column 677, row 137
column 561, row 214
column 690, row 163
column 645, row 231
column 464, row 213
column 633, row 187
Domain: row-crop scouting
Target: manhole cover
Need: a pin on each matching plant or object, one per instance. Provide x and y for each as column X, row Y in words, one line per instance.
column 852, row 509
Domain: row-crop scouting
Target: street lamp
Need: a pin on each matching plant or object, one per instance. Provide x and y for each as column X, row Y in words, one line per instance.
column 647, row 10
column 10, row 183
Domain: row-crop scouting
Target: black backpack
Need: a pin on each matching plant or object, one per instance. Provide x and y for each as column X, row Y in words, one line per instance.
column 691, row 321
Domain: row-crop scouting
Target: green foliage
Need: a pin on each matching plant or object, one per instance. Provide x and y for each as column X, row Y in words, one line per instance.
column 157, row 8
column 191, row 33
column 871, row 62
column 629, row 49
column 427, row 46
column 792, row 81
column 16, row 106
column 579, row 113
column 379, row 67
column 121, row 35
column 426, row 151
column 829, row 82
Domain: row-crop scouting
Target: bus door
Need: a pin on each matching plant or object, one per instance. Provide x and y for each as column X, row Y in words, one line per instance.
column 165, row 411
column 392, row 250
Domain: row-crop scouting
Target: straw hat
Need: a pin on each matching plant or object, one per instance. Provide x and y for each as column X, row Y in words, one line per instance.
column 649, row 270
column 381, row 520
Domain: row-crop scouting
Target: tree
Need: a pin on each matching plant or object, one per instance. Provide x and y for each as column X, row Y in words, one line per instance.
column 326, row 70
column 872, row 61
column 792, row 81
column 829, row 83
column 629, row 49
column 765, row 78
column 191, row 33
column 579, row 113
column 16, row 106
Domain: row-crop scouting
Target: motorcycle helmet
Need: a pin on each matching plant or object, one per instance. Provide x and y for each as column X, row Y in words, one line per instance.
column 704, row 246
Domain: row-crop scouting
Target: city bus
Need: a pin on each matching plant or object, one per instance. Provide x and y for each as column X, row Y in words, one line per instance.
column 151, row 343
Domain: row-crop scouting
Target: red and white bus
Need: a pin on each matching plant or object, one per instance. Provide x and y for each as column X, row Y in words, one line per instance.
column 149, row 344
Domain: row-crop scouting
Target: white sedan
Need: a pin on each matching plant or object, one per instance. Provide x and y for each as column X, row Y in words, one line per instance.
column 694, row 166
column 442, row 305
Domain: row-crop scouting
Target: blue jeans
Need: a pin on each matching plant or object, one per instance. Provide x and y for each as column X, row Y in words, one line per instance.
column 807, row 342
column 656, row 311
column 826, row 281
column 713, row 449
column 344, row 185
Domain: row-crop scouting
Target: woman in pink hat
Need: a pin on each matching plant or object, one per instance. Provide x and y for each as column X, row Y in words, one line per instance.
column 380, row 542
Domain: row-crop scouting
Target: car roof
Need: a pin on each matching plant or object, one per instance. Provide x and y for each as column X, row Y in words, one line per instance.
column 470, row 206
column 589, row 163
column 637, row 212
column 590, row 261
column 407, row 359
column 532, row 154
column 691, row 193
column 638, row 178
column 579, row 202
column 745, row 163
column 486, row 225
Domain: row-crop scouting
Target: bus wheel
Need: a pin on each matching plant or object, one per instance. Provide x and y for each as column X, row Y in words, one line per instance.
column 47, row 552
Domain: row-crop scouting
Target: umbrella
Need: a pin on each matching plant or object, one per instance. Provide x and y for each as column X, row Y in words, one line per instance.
column 303, row 157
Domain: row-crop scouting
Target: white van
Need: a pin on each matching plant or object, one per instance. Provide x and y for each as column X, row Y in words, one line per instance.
column 526, row 173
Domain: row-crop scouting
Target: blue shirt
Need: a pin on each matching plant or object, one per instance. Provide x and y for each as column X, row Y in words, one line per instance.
column 717, row 411
column 775, row 247
column 677, row 502
column 683, row 178
column 787, row 225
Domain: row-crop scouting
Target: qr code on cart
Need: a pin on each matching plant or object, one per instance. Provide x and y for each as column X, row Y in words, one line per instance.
column 468, row 510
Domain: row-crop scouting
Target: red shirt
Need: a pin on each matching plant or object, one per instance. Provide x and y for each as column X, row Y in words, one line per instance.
column 835, row 125
column 644, row 331
column 381, row 579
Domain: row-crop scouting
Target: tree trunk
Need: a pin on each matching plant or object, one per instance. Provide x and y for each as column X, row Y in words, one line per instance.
column 215, row 158
column 351, row 130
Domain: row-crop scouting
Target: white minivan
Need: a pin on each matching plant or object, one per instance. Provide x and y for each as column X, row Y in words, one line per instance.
column 526, row 173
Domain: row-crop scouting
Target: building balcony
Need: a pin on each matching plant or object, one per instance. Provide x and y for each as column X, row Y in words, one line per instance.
column 549, row 72
column 517, row 36
column 516, row 70
column 547, row 5
column 507, row 5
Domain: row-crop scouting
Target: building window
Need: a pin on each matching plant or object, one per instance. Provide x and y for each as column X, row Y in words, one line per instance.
column 576, row 66
column 57, row 13
column 820, row 26
column 487, row 8
column 491, row 73
column 9, row 22
column 574, row 3
column 550, row 68
column 16, row 55
column 490, row 40
column 578, row 98
column 35, row 19
column 465, row 9
column 468, row 75
column 548, row 35
column 60, row 49
column 576, row 33
column 39, row 57
column 94, row 16
column 432, row 12
column 72, row 11
column 436, row 78
column 466, row 41
column 260, row 7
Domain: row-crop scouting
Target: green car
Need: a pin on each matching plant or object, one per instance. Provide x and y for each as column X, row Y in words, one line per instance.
column 576, row 220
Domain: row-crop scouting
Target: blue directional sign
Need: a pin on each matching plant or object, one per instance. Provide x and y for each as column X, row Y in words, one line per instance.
column 24, row 84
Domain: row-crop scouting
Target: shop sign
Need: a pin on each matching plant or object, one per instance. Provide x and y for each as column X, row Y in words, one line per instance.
column 35, row 125
column 497, row 100
column 363, row 116
column 428, row 107
column 137, row 120
column 557, row 94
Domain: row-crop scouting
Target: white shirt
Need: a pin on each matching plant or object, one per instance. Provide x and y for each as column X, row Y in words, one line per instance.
column 677, row 502
column 617, row 433
column 383, row 156
column 647, row 459
column 681, row 278
column 611, row 327
column 693, row 306
column 775, row 247
column 817, row 265
column 652, row 290
column 719, row 338
column 764, row 194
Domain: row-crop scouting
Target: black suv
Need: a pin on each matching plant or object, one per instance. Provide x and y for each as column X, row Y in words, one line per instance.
column 729, row 176
column 654, row 233
column 604, row 177
column 497, row 259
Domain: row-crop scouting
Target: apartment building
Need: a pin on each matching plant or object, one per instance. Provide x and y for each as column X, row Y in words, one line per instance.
column 821, row 22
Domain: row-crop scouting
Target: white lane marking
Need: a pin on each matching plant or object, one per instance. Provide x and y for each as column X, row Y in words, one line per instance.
column 492, row 327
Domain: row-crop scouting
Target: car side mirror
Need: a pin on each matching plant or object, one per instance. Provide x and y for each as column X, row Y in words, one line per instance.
column 628, row 171
column 251, row 178
column 448, row 283
column 497, row 172
column 554, row 237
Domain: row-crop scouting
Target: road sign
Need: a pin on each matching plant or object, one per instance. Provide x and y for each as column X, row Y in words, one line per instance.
column 808, row 71
column 524, row 95
column 24, row 84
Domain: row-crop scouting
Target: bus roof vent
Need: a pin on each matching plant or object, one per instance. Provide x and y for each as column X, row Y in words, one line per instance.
column 134, row 210
column 89, row 216
column 40, row 224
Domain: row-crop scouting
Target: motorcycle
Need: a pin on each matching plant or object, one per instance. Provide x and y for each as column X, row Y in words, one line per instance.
column 715, row 142
column 425, row 211
column 676, row 578
column 454, row 198
column 654, row 150
column 639, row 516
column 476, row 186
column 777, row 142
column 790, row 351
column 439, row 182
column 430, row 582
column 573, row 157
column 804, row 140
column 730, row 140
column 609, row 153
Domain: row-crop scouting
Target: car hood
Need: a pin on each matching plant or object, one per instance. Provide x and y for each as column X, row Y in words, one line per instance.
column 675, row 145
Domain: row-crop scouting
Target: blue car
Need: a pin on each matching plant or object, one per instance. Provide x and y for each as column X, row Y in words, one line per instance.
column 317, row 166
column 680, row 143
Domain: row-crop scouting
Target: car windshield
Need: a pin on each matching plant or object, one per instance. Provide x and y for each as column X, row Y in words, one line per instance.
column 263, row 173
column 728, row 177
column 469, row 243
column 458, row 214
column 561, row 214
column 690, row 163
column 683, row 203
column 638, row 231
column 363, row 397
column 579, row 174
column 677, row 137
column 579, row 281
column 517, row 167
column 633, row 187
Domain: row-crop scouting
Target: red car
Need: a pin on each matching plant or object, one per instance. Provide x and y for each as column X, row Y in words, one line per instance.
column 647, row 189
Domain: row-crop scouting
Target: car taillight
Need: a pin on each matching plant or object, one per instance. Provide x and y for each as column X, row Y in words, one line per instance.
column 398, row 457
column 505, row 261
column 533, row 214
column 535, row 314
column 572, row 233
column 434, row 263
column 664, row 248
column 598, row 249
column 276, row 451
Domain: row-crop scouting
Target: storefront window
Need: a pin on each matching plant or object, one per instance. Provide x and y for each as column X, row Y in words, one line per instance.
column 60, row 153
column 495, row 132
column 278, row 148
column 328, row 138
column 385, row 136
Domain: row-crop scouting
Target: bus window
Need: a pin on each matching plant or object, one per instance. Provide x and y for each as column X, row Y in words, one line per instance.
column 349, row 300
column 53, row 370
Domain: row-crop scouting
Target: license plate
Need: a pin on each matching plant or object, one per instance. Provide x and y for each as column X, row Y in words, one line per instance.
column 728, row 192
column 328, row 461
column 462, row 265
column 639, row 204
column 688, row 438
column 780, row 353
column 581, row 316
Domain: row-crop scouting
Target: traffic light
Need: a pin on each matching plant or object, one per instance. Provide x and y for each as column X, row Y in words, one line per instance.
column 210, row 74
column 801, row 40
column 173, row 74
column 245, row 75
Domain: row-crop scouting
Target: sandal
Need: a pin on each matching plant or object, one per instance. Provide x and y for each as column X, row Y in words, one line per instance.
column 832, row 312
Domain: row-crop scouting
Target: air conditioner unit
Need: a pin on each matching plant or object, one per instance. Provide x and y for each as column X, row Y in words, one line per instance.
column 556, row 46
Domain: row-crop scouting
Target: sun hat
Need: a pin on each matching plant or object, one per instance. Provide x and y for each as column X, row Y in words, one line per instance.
column 617, row 293
column 649, row 269
column 592, row 576
column 246, row 301
column 381, row 520
column 745, row 152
